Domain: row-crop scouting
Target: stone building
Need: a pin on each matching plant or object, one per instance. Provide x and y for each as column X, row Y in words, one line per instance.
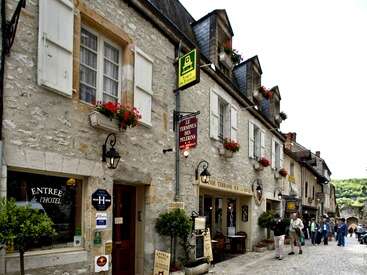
column 67, row 56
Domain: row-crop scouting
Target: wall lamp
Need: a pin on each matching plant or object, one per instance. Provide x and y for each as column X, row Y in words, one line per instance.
column 111, row 157
column 204, row 175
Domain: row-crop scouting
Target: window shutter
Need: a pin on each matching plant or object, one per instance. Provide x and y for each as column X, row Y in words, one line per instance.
column 143, row 92
column 55, row 45
column 273, row 153
column 214, row 115
column 251, row 139
column 281, row 154
column 262, row 152
column 234, row 123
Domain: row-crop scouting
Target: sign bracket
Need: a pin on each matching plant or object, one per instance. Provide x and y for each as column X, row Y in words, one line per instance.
column 178, row 116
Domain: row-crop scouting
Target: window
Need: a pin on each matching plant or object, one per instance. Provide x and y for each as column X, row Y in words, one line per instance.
column 291, row 169
column 100, row 66
column 276, row 154
column 222, row 114
column 256, row 141
column 223, row 118
column 306, row 189
column 59, row 197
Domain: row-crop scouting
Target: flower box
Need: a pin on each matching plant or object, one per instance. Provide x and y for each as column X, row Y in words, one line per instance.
column 225, row 59
column 264, row 162
column 231, row 145
column 283, row 172
column 100, row 121
column 228, row 153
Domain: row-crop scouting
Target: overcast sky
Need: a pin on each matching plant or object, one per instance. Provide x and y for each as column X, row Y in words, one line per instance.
column 316, row 52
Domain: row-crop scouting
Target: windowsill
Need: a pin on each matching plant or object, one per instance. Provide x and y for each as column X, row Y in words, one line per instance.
column 145, row 124
column 46, row 251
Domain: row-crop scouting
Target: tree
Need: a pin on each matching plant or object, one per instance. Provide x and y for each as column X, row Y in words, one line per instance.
column 20, row 225
column 174, row 224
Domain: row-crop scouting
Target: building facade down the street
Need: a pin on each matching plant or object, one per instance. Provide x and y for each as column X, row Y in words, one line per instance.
column 70, row 55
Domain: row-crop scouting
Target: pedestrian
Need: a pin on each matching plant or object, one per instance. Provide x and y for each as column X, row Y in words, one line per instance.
column 342, row 232
column 350, row 230
column 279, row 228
column 295, row 231
column 313, row 230
column 319, row 232
column 325, row 231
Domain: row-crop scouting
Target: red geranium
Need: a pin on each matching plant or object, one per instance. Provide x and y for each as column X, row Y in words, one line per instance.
column 231, row 145
column 128, row 117
column 264, row 162
column 109, row 109
column 265, row 92
column 283, row 172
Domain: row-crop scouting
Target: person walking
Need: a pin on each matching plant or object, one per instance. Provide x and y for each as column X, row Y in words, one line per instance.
column 295, row 231
column 279, row 228
column 319, row 232
column 313, row 230
column 342, row 232
column 325, row 231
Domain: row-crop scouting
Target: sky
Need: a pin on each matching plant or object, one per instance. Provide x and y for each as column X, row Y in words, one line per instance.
column 316, row 52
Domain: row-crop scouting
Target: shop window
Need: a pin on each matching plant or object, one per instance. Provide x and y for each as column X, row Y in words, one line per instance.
column 59, row 197
column 100, row 68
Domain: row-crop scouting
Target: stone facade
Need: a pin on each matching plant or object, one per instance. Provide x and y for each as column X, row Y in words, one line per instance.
column 47, row 133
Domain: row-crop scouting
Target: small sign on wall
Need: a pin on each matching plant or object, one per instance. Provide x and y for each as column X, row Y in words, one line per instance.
column 161, row 263
column 101, row 263
column 208, row 253
column 101, row 220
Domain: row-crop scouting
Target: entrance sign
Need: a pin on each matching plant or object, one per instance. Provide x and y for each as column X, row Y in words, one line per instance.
column 188, row 129
column 188, row 70
column 161, row 263
column 101, row 263
column 101, row 199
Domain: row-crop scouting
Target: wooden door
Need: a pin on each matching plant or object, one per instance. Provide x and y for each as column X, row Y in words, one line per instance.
column 123, row 253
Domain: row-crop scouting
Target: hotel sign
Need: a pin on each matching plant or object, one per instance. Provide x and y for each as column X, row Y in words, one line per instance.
column 234, row 188
column 188, row 130
column 188, row 70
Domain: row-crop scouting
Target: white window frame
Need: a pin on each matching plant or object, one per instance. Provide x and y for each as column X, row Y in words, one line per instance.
column 100, row 65
column 257, row 142
column 277, row 148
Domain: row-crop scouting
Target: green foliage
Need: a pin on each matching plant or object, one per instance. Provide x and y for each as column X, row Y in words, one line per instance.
column 21, row 224
column 175, row 224
column 350, row 192
column 265, row 219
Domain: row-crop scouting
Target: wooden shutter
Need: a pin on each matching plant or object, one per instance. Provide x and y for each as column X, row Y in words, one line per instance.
column 214, row 115
column 273, row 154
column 234, row 123
column 251, row 139
column 281, row 155
column 55, row 45
column 262, row 142
column 143, row 92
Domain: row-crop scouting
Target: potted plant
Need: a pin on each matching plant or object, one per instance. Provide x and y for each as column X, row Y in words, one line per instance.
column 21, row 225
column 269, row 244
column 128, row 116
column 283, row 172
column 230, row 146
column 260, row 247
column 264, row 162
column 176, row 225
column 265, row 92
column 265, row 220
column 109, row 109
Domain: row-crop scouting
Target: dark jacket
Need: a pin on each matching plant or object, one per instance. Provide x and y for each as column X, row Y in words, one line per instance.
column 279, row 227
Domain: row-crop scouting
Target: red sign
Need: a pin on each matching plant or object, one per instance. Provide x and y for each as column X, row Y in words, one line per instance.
column 188, row 132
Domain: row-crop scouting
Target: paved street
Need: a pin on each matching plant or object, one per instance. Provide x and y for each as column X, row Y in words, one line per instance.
column 320, row 260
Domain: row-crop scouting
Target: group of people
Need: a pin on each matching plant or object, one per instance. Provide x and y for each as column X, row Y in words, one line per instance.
column 297, row 230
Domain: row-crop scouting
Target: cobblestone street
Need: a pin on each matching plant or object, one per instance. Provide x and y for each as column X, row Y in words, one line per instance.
column 321, row 260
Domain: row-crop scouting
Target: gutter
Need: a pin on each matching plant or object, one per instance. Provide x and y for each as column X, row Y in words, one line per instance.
column 170, row 30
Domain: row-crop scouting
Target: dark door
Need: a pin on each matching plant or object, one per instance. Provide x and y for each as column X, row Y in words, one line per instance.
column 123, row 253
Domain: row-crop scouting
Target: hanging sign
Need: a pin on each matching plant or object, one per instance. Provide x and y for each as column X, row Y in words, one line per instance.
column 188, row 129
column 161, row 263
column 101, row 199
column 101, row 263
column 188, row 70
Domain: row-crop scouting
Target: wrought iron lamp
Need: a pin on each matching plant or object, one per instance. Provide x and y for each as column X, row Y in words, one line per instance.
column 204, row 175
column 111, row 157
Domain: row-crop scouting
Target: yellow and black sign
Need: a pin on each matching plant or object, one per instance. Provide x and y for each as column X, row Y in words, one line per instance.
column 188, row 70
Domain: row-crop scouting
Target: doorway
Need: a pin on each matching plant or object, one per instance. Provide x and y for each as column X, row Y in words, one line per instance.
column 123, row 253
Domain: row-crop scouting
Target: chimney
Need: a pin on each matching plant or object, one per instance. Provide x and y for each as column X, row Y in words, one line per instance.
column 292, row 136
column 318, row 153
